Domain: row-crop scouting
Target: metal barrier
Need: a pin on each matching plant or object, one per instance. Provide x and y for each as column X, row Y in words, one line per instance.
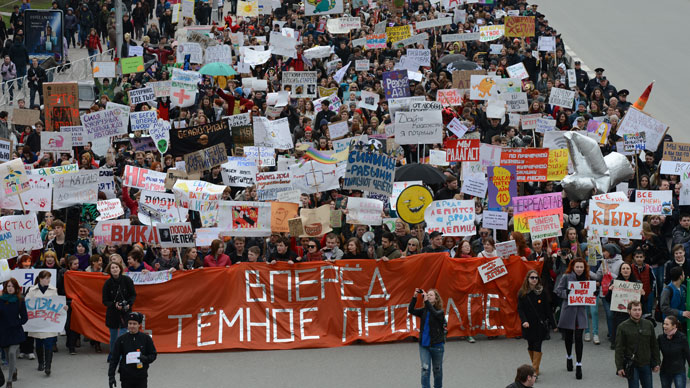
column 78, row 70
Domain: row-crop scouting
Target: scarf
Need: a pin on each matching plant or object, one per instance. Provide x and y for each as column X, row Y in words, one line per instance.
column 9, row 298
column 671, row 333
column 43, row 288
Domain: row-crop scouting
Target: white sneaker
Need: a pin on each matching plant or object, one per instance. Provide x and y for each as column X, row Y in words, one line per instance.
column 471, row 339
column 596, row 340
column 32, row 356
column 21, row 355
column 587, row 337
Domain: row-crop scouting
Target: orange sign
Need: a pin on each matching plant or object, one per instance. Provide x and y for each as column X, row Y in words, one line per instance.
column 281, row 213
column 307, row 305
column 519, row 26
column 61, row 105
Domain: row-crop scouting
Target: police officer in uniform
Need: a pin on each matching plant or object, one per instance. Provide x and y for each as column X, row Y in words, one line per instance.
column 623, row 100
column 594, row 82
column 581, row 76
column 133, row 351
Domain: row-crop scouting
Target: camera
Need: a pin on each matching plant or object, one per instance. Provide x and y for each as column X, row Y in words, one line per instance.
column 420, row 291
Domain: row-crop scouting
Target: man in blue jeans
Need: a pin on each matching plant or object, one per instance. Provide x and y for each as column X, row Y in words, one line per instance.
column 636, row 340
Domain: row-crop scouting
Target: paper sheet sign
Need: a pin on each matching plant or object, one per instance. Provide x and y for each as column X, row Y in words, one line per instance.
column 581, row 293
column 656, row 202
column 46, row 314
column 506, row 248
column 492, row 270
column 544, row 227
column 623, row 293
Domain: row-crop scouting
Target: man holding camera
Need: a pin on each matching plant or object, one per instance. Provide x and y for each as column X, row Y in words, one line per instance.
column 133, row 352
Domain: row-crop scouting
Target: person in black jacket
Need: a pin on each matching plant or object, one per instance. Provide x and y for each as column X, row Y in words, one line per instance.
column 36, row 77
column 431, row 334
column 118, row 297
column 535, row 315
column 675, row 351
column 133, row 352
column 12, row 316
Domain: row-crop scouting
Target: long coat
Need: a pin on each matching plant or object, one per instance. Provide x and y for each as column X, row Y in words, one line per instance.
column 114, row 291
column 534, row 308
column 572, row 317
column 12, row 316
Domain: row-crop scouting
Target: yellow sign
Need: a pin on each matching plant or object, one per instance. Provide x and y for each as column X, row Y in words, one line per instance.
column 398, row 33
column 412, row 202
column 558, row 164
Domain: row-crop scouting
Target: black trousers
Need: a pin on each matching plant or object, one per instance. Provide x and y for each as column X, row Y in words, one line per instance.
column 133, row 384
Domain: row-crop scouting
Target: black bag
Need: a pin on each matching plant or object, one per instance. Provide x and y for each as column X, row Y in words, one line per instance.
column 629, row 361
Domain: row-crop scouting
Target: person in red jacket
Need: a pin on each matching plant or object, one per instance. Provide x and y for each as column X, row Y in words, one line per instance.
column 161, row 51
column 236, row 103
column 643, row 274
column 93, row 42
column 217, row 257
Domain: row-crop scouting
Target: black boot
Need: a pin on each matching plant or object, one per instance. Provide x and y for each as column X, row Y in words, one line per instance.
column 569, row 364
column 49, row 361
column 40, row 358
column 578, row 372
column 14, row 375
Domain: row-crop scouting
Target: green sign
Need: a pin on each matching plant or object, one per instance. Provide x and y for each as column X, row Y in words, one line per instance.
column 132, row 65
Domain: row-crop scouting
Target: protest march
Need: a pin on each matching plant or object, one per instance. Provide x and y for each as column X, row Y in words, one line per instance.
column 319, row 162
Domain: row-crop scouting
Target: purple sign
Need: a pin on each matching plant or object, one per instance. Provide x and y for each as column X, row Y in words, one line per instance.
column 396, row 84
column 142, row 144
column 502, row 186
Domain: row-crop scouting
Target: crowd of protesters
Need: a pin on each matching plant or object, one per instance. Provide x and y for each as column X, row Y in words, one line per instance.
column 658, row 260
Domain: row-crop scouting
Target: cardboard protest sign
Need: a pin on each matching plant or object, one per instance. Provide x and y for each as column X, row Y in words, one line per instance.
column 24, row 230
column 530, row 121
column 219, row 53
column 56, row 142
column 142, row 144
column 472, row 36
column 160, row 134
column 677, row 152
column 558, row 164
column 544, row 227
column 133, row 64
column 312, row 7
column 396, row 84
column 281, row 213
column 369, row 171
column 77, row 133
column 364, row 211
column 239, row 172
column 176, row 235
column 190, row 139
column 104, row 69
column 109, row 209
column 439, row 22
column 25, row 116
column 594, row 250
column 75, row 188
column 161, row 88
column 205, row 236
column 398, row 33
column 474, row 185
column 502, row 186
column 369, row 100
column 492, row 270
column 457, row 128
column 623, row 292
column 636, row 121
column 516, row 102
column 449, row 97
column 264, row 156
column 483, row 87
column 300, row 84
column 562, row 97
column 634, row 141
column 205, row 159
column 106, row 123
column 143, row 179
column 245, row 218
column 61, row 105
column 421, row 56
column 519, row 26
column 47, row 314
column 617, row 220
column 518, row 71
column 269, row 184
column 274, row 134
column 491, row 32
column 362, row 65
column 316, row 222
column 546, row 43
column 142, row 121
column 156, row 207
column 537, row 202
column 41, row 198
column 130, row 234
column 192, row 49
column 141, row 95
column 416, row 127
column 598, row 130
column 506, row 249
column 312, row 177
column 338, row 130
column 462, row 150
column 656, row 202
column 5, row 150
column 375, row 41
column 495, row 220
column 451, row 217
column 182, row 94
column 545, row 125
column 582, row 293
column 532, row 163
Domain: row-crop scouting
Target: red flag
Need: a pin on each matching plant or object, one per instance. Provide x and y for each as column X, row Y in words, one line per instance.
column 640, row 103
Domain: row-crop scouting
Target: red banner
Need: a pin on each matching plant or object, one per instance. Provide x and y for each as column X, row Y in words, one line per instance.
column 307, row 305
column 532, row 163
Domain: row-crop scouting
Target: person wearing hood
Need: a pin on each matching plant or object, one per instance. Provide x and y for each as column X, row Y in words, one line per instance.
column 118, row 297
column 608, row 270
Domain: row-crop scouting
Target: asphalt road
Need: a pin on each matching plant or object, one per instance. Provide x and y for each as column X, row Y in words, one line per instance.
column 483, row 364
column 636, row 41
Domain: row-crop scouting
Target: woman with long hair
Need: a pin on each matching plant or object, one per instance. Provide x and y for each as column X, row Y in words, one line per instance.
column 118, row 297
column 573, row 319
column 412, row 247
column 217, row 257
column 353, row 249
column 44, row 341
column 522, row 248
column 535, row 315
column 673, row 345
column 431, row 334
column 625, row 274
column 464, row 250
column 12, row 316
column 489, row 248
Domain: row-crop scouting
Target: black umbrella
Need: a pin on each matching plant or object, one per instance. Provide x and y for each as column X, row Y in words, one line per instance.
column 451, row 58
column 419, row 172
column 463, row 65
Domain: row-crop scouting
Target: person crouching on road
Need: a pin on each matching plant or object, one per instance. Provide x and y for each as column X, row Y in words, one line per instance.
column 432, row 335
column 133, row 352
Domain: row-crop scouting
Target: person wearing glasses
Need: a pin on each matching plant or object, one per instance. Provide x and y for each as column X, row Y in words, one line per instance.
column 525, row 377
column 535, row 315
column 313, row 251
column 412, row 247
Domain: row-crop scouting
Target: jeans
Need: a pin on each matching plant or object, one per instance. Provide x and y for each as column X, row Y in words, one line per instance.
column 432, row 358
column 642, row 376
column 46, row 343
column 32, row 96
column 21, row 72
column 658, row 272
column 668, row 380
column 609, row 317
column 83, row 32
column 592, row 313
column 114, row 333
column 10, row 87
